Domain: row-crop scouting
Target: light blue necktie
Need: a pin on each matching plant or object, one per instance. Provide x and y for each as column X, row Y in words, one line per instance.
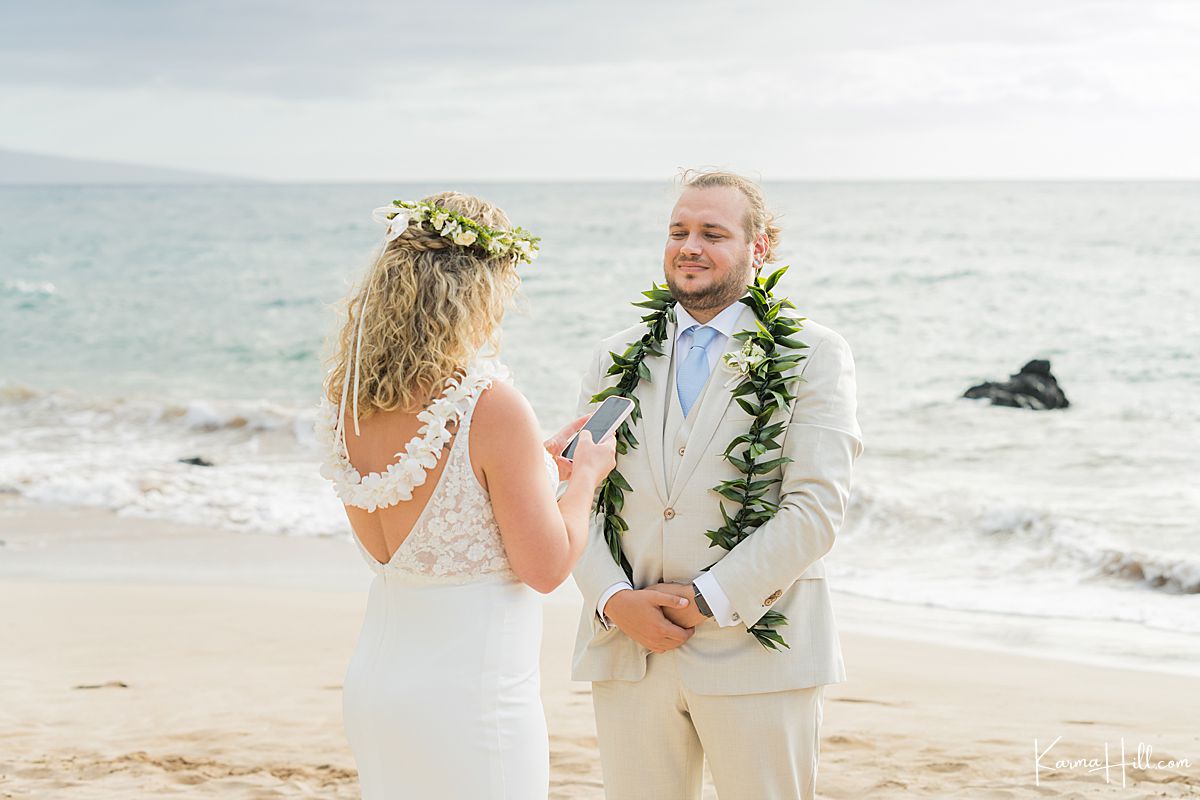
column 693, row 372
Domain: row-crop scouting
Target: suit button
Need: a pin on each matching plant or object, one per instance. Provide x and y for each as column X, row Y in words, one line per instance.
column 668, row 513
column 736, row 617
column 681, row 450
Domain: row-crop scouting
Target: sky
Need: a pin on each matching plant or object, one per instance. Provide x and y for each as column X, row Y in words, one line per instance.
column 298, row 90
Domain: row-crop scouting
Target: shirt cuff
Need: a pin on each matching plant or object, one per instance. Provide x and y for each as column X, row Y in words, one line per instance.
column 609, row 592
column 723, row 612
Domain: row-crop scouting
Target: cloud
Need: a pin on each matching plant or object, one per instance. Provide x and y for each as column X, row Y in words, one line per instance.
column 621, row 89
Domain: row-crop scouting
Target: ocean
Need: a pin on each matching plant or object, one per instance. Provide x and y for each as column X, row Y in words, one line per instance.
column 142, row 325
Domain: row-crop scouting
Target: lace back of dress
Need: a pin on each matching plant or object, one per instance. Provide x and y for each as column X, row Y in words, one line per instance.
column 456, row 537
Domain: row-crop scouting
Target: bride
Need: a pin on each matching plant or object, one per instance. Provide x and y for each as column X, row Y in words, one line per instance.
column 450, row 493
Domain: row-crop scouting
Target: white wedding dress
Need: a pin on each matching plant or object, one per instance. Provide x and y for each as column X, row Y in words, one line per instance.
column 441, row 698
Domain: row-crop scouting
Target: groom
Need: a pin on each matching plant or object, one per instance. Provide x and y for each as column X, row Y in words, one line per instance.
column 674, row 684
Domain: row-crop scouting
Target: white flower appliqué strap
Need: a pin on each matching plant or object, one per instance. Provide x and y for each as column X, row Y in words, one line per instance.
column 396, row 483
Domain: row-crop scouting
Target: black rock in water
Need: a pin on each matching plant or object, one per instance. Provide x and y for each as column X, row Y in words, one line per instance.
column 1033, row 387
column 196, row 461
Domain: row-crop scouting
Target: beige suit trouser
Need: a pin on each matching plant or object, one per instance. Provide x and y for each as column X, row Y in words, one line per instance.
column 654, row 735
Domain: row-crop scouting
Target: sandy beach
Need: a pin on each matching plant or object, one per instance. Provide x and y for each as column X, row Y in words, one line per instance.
column 142, row 658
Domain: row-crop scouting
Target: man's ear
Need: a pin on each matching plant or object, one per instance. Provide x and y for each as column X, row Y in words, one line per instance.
column 761, row 245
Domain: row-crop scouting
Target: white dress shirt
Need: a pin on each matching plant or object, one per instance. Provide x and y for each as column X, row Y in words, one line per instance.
column 725, row 324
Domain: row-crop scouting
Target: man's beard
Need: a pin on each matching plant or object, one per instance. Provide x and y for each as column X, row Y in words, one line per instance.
column 716, row 296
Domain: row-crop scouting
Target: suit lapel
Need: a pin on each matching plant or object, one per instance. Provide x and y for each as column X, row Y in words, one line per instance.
column 651, row 396
column 711, row 409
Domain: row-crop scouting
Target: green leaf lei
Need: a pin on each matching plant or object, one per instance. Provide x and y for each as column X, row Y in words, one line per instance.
column 762, row 391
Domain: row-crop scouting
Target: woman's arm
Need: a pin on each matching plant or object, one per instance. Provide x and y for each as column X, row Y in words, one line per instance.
column 543, row 539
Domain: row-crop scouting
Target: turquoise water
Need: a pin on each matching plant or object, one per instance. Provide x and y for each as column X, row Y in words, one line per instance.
column 141, row 325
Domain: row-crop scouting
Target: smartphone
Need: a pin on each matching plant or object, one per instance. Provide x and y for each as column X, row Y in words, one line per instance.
column 604, row 420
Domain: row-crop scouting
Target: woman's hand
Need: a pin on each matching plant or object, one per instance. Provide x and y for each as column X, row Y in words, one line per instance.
column 559, row 441
column 593, row 461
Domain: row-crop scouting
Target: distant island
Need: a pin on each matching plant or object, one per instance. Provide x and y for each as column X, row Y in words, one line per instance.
column 18, row 168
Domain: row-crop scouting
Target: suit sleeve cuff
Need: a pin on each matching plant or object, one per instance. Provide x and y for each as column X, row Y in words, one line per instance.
column 722, row 609
column 604, row 597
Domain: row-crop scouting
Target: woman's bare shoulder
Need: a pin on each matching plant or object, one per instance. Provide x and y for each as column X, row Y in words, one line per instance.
column 502, row 415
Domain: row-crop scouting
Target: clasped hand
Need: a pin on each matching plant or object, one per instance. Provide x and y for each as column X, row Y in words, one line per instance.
column 659, row 617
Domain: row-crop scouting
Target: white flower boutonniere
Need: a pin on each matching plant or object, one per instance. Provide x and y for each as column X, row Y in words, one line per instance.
column 741, row 363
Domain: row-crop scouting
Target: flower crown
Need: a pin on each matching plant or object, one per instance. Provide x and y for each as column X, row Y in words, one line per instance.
column 463, row 231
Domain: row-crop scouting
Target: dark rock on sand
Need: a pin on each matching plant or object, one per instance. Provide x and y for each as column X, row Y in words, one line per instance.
column 196, row 461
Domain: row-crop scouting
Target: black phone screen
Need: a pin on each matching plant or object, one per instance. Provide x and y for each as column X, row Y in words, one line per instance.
column 600, row 423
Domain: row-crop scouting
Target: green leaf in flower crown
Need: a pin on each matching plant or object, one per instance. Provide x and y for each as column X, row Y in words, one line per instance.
column 787, row 341
column 643, row 371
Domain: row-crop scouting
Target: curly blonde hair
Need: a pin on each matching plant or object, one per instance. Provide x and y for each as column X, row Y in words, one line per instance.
column 432, row 305
column 759, row 219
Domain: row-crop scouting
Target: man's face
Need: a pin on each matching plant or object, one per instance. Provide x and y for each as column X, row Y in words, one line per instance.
column 708, row 260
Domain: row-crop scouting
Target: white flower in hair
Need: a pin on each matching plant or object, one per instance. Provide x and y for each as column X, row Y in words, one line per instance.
column 396, row 219
column 460, row 229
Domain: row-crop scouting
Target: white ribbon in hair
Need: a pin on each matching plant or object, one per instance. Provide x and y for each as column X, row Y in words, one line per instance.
column 397, row 224
column 341, row 421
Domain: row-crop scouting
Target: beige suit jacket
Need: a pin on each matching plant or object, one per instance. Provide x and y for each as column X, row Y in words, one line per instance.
column 779, row 566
